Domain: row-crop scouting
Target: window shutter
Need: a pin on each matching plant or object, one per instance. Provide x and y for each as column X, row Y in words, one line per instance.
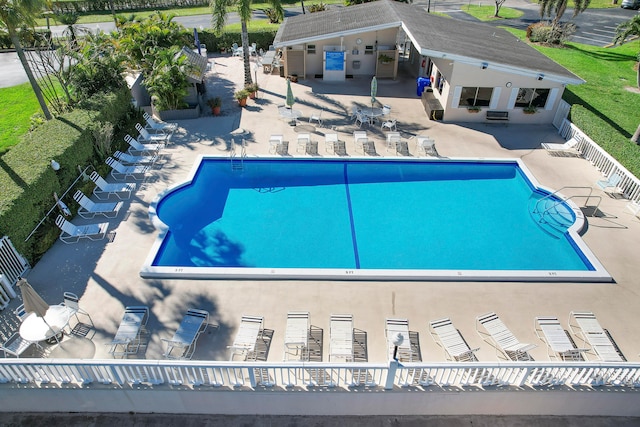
column 455, row 102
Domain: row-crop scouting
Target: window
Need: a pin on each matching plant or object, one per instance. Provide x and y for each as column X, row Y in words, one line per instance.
column 528, row 97
column 475, row 96
column 311, row 49
column 368, row 50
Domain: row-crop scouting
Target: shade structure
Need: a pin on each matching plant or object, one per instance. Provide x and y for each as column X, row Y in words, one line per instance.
column 374, row 90
column 290, row 98
column 33, row 303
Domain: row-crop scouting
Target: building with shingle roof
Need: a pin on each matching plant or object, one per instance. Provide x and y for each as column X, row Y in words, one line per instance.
column 464, row 67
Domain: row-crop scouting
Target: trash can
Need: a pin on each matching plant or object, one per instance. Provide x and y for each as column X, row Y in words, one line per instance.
column 422, row 83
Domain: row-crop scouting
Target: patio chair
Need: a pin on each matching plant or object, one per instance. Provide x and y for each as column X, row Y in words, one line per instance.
column 129, row 160
column 549, row 330
column 72, row 303
column 73, row 233
column 316, row 116
column 304, row 140
column 235, row 50
column 127, row 339
column 20, row 312
column 246, row 337
column 275, row 143
column 341, row 337
column 186, row 336
column 393, row 138
column 499, row 336
column 136, row 147
column 330, row 142
column 634, row 207
column 570, row 144
column 426, row 146
column 584, row 325
column 146, row 137
column 89, row 209
column 386, row 110
column 120, row 171
column 360, row 119
column 158, row 126
column 450, row 339
column 611, row 182
column 104, row 189
column 296, row 336
column 389, row 124
column 16, row 345
column 354, row 112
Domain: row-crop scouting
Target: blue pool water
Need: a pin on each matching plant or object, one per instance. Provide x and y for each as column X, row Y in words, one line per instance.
column 361, row 215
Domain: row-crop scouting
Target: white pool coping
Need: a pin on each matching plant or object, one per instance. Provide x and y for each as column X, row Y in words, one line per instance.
column 599, row 274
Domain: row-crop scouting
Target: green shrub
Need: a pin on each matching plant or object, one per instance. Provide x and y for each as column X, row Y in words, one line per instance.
column 319, row 7
column 262, row 38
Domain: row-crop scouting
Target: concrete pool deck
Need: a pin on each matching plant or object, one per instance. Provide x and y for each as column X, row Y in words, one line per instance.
column 105, row 274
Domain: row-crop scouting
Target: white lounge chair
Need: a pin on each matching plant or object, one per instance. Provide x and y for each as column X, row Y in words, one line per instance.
column 186, row 336
column 359, row 139
column 393, row 138
column 394, row 329
column 571, row 144
column 158, row 126
column 120, row 171
column 89, row 209
column 127, row 339
column 296, row 336
column 104, row 189
column 450, row 339
column 129, row 160
column 246, row 337
column 499, row 336
column 634, row 207
column 330, row 142
column 304, row 141
column 341, row 337
column 73, row 233
column 611, row 182
column 138, row 148
column 584, row 325
column 549, row 330
column 426, row 146
column 146, row 137
column 275, row 143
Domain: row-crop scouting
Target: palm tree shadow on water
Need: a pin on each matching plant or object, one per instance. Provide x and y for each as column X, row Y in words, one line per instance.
column 216, row 250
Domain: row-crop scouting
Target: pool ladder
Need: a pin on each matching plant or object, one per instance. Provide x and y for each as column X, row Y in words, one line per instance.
column 237, row 163
column 553, row 216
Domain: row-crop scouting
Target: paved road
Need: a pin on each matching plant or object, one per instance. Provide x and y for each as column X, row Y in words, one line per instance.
column 595, row 27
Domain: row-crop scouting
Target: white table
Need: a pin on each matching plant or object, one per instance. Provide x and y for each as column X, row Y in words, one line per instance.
column 371, row 113
column 35, row 328
column 290, row 114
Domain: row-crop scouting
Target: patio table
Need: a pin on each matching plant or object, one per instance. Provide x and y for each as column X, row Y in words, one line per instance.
column 35, row 328
column 290, row 114
column 371, row 113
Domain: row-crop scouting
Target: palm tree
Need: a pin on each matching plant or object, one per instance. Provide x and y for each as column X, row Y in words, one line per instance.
column 628, row 29
column 219, row 11
column 558, row 7
column 15, row 14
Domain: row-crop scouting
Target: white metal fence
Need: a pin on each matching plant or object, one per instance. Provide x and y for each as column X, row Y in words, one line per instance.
column 309, row 376
column 629, row 185
column 12, row 266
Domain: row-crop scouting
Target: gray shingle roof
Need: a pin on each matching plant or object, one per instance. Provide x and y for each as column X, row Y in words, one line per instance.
column 434, row 35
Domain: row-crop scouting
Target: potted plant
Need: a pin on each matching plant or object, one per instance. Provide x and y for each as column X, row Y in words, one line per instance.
column 385, row 59
column 241, row 96
column 474, row 109
column 215, row 104
column 252, row 89
column 293, row 78
column 530, row 109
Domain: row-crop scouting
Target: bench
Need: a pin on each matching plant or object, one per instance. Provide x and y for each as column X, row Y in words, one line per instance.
column 497, row 115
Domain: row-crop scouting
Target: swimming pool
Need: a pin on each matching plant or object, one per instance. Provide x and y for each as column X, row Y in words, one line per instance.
column 365, row 219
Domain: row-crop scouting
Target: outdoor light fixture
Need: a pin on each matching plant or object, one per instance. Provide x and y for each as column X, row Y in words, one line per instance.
column 485, row 65
column 397, row 341
column 540, row 76
column 55, row 165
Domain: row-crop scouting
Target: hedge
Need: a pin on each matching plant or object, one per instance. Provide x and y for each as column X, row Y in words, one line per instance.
column 121, row 5
column 28, row 181
column 262, row 38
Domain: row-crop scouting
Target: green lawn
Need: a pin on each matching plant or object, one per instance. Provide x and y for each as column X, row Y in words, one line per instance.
column 17, row 104
column 486, row 13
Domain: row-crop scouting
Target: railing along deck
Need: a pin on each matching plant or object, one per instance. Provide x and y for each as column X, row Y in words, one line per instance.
column 298, row 375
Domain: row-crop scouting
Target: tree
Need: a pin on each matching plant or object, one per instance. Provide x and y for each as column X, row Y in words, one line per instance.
column 628, row 29
column 13, row 15
column 499, row 4
column 558, row 7
column 243, row 7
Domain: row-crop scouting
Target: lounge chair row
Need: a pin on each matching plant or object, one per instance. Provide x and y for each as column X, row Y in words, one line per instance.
column 181, row 345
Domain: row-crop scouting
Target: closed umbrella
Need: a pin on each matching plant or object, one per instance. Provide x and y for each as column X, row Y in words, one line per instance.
column 374, row 90
column 33, row 303
column 290, row 98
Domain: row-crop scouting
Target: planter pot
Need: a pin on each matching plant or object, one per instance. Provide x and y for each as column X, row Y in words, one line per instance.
column 474, row 111
column 252, row 95
column 215, row 111
column 293, row 78
column 242, row 102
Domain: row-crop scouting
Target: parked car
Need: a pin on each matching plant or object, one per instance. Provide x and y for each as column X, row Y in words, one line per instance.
column 630, row 4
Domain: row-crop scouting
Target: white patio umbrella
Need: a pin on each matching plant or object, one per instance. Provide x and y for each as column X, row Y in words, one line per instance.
column 33, row 303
